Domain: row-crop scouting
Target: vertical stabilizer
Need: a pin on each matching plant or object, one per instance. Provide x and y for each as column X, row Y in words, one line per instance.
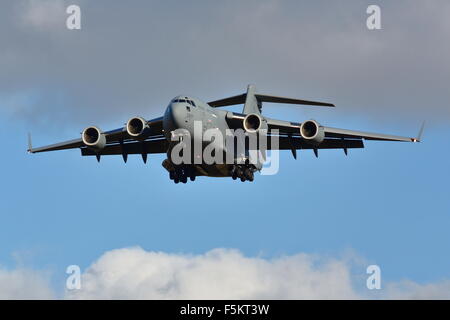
column 252, row 105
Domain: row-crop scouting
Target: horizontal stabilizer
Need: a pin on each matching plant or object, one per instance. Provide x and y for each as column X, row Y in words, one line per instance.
column 274, row 99
column 231, row 101
column 240, row 99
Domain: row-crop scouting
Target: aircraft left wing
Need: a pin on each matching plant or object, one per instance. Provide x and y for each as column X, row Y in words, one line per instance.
column 137, row 147
column 112, row 137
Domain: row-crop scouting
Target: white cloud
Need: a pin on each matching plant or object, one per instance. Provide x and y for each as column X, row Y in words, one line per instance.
column 217, row 274
column 133, row 273
column 410, row 290
column 24, row 284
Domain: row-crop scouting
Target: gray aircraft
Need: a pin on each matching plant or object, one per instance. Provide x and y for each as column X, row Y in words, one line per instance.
column 141, row 136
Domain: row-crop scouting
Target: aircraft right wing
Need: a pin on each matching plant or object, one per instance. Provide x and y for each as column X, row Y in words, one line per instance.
column 112, row 137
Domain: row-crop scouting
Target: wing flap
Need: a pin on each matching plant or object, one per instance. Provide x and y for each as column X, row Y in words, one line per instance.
column 286, row 143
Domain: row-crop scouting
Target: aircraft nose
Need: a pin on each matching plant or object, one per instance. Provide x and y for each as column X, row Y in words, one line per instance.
column 178, row 112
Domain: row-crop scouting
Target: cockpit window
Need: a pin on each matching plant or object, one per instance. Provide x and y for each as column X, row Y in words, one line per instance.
column 184, row 101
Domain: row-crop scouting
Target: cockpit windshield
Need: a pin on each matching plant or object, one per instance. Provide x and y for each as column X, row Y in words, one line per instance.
column 184, row 101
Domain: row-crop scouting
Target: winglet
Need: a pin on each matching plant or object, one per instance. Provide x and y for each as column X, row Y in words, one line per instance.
column 30, row 145
column 419, row 136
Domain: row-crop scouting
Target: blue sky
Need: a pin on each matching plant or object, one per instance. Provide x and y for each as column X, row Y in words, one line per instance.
column 388, row 203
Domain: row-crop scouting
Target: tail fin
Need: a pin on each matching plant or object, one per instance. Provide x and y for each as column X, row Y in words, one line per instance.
column 252, row 104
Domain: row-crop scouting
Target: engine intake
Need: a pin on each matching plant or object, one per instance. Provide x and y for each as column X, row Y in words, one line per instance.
column 137, row 127
column 253, row 123
column 93, row 138
column 312, row 132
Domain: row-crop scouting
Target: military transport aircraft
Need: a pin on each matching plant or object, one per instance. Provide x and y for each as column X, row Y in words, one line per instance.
column 141, row 136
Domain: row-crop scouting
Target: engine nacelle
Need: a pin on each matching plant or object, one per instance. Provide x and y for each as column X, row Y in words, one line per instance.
column 138, row 128
column 253, row 123
column 312, row 132
column 93, row 138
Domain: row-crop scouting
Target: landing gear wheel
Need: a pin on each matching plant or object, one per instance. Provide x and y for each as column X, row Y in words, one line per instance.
column 239, row 173
column 234, row 173
column 248, row 174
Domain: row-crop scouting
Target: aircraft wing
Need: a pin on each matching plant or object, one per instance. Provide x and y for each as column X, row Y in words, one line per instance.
column 293, row 129
column 136, row 147
column 112, row 137
column 297, row 143
column 344, row 133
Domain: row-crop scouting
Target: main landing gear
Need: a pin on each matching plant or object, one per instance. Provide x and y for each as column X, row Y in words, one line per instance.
column 243, row 172
column 181, row 174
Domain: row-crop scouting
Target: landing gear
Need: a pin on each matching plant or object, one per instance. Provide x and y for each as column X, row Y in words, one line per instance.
column 181, row 174
column 243, row 172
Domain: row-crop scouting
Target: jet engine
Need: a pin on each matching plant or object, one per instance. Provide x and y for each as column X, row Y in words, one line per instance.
column 93, row 138
column 312, row 132
column 138, row 128
column 253, row 123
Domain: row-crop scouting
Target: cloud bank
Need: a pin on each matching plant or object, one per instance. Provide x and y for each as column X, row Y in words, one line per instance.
column 217, row 274
column 133, row 273
column 132, row 59
column 24, row 284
